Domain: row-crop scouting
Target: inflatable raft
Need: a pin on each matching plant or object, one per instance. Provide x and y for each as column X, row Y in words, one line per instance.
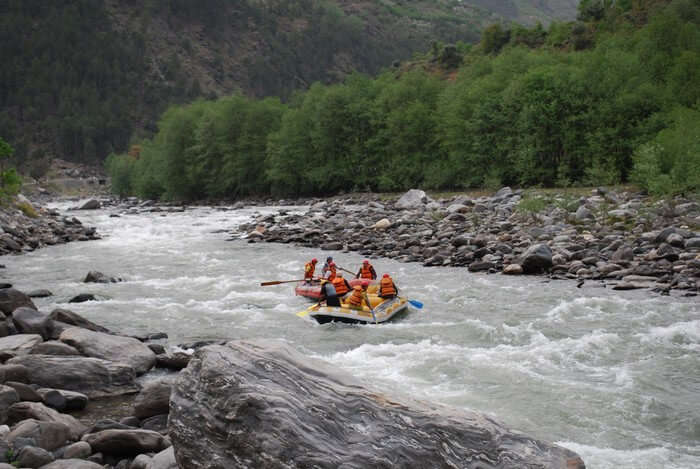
column 384, row 310
column 308, row 290
column 313, row 290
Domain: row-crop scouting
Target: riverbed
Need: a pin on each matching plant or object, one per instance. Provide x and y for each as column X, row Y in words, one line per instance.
column 612, row 375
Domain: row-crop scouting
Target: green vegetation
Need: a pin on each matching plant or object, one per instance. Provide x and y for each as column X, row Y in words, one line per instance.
column 81, row 78
column 627, row 108
column 10, row 181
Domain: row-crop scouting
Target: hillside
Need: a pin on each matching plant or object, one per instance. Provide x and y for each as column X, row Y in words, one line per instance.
column 80, row 78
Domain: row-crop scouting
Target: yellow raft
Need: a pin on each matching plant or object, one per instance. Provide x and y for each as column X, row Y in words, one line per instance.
column 384, row 310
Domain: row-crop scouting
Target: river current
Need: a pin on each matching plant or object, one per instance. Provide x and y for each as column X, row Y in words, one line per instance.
column 614, row 376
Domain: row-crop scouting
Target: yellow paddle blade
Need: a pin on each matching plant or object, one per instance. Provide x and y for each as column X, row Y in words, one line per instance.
column 303, row 314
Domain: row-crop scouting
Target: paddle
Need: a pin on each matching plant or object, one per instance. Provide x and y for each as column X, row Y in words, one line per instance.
column 371, row 310
column 416, row 303
column 303, row 314
column 345, row 270
column 277, row 282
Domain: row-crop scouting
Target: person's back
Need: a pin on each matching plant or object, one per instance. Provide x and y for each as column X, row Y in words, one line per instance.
column 309, row 270
column 387, row 288
column 341, row 285
column 355, row 299
column 330, row 294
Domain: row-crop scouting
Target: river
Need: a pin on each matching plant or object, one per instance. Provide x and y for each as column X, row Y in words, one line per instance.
column 614, row 376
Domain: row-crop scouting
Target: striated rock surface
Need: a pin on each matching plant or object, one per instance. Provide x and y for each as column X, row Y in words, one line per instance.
column 262, row 404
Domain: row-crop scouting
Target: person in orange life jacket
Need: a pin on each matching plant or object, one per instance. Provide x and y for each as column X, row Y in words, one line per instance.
column 366, row 271
column 331, row 272
column 341, row 285
column 309, row 270
column 387, row 287
column 328, row 293
column 326, row 266
column 358, row 298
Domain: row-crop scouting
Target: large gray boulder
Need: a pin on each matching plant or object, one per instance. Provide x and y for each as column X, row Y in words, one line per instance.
column 30, row 321
column 154, row 398
column 91, row 376
column 19, row 344
column 69, row 317
column 38, row 411
column 164, row 460
column 110, row 347
column 72, row 464
column 126, row 442
column 46, row 435
column 414, row 198
column 8, row 396
column 537, row 258
column 53, row 347
column 263, row 404
column 11, row 299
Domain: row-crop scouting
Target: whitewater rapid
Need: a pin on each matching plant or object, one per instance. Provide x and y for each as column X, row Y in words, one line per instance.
column 614, row 376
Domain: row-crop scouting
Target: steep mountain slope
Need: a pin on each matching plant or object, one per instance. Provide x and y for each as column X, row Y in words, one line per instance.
column 80, row 78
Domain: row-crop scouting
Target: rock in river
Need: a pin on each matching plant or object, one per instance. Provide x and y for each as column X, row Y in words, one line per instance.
column 262, row 404
column 110, row 347
column 90, row 376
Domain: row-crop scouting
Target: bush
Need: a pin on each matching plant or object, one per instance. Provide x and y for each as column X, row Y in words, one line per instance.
column 670, row 163
column 27, row 209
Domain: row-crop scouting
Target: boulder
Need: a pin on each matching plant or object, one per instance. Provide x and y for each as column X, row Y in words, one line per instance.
column 82, row 298
column 91, row 204
column 33, row 457
column 69, row 317
column 110, row 347
column 382, row 224
column 8, row 396
column 154, row 398
column 78, row 450
column 164, row 460
column 126, row 442
column 537, row 258
column 11, row 299
column 53, row 347
column 71, row 400
column 14, row 372
column 98, row 277
column 414, row 198
column 24, row 391
column 20, row 344
column 91, row 376
column 46, row 434
column 42, row 293
column 72, row 464
column 30, row 321
column 36, row 410
column 238, row 406
column 513, row 269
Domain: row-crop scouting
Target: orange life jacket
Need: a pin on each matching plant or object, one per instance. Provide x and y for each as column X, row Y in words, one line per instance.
column 333, row 271
column 341, row 287
column 386, row 287
column 356, row 298
column 366, row 272
column 309, row 269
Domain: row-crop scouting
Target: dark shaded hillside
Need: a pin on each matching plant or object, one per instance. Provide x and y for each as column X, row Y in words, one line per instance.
column 81, row 77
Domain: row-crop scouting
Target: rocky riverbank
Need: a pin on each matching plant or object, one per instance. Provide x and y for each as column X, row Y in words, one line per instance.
column 623, row 240
column 25, row 227
column 233, row 405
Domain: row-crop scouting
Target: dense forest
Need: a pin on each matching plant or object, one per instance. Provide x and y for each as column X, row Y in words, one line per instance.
column 81, row 78
column 613, row 97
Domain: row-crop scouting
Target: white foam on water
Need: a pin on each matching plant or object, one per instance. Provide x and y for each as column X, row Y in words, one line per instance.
column 684, row 334
column 647, row 458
